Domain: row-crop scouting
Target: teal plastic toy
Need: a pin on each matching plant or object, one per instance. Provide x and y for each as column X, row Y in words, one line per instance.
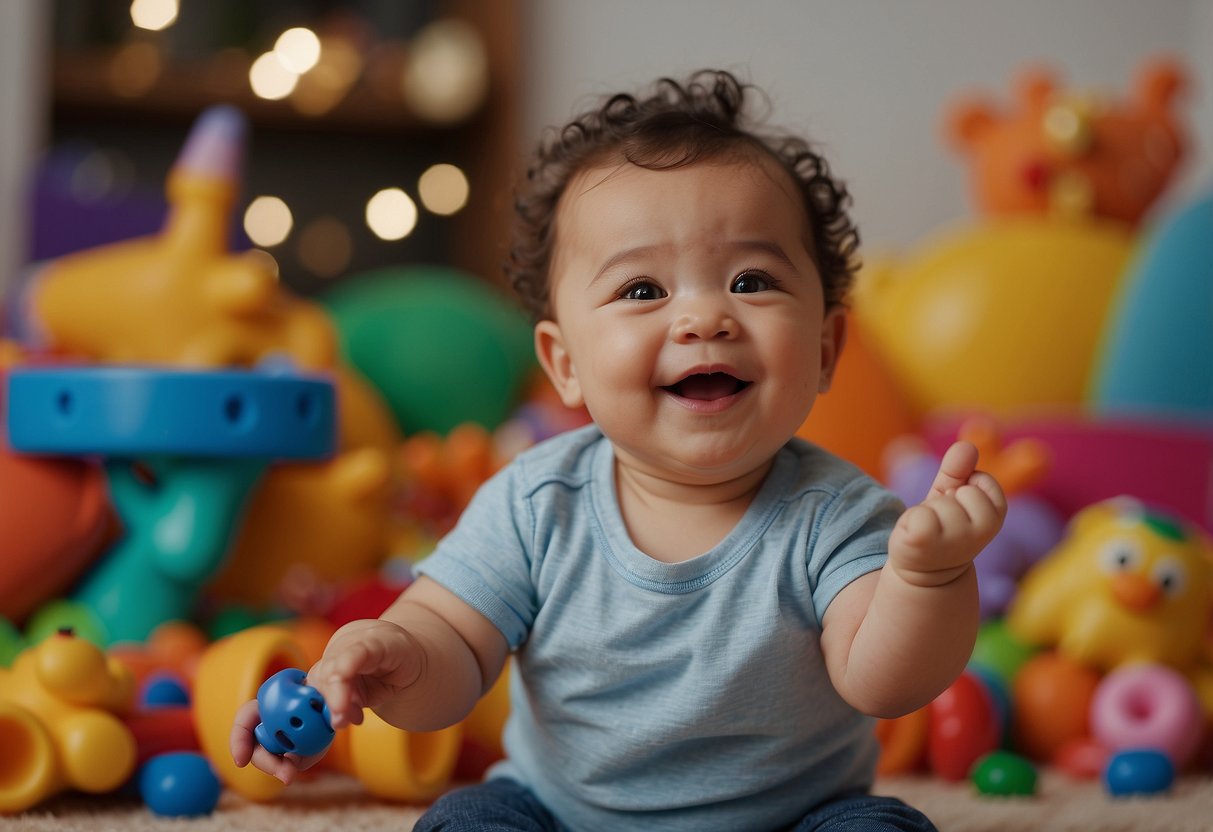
column 184, row 450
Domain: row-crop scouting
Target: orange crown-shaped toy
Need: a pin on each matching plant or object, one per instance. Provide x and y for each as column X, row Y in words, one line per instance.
column 1062, row 152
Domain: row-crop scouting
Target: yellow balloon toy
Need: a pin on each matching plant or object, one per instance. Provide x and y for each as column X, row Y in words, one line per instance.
column 1001, row 317
column 1127, row 584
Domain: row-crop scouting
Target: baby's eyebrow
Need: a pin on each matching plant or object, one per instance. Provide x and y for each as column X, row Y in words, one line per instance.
column 623, row 256
column 769, row 247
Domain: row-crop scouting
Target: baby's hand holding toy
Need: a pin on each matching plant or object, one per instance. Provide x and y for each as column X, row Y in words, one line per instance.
column 294, row 716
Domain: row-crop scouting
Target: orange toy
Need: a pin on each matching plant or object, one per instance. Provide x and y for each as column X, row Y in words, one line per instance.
column 54, row 519
column 865, row 408
column 903, row 742
column 1059, row 152
column 59, row 727
column 1052, row 703
column 440, row 475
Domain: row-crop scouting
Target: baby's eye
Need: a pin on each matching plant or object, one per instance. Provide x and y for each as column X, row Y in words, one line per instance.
column 642, row 290
column 751, row 281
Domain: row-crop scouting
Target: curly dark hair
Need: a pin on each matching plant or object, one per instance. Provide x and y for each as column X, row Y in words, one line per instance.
column 676, row 124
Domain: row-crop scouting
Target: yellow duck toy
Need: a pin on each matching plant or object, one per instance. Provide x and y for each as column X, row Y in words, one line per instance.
column 1127, row 584
column 59, row 722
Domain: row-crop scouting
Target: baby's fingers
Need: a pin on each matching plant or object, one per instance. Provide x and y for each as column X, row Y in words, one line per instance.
column 242, row 741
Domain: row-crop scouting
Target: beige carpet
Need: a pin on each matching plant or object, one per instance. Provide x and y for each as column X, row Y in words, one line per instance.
column 337, row 803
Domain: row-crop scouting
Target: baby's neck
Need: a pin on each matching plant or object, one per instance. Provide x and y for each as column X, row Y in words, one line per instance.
column 674, row 520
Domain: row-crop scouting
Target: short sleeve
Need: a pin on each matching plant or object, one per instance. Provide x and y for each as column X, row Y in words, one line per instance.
column 851, row 539
column 486, row 559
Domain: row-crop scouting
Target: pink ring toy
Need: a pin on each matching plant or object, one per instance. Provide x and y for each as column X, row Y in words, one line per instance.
column 1148, row 706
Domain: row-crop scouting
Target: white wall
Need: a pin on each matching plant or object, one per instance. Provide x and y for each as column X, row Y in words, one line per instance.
column 867, row 79
column 23, row 28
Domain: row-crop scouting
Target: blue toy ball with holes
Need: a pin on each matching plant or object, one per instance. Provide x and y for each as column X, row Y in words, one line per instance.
column 294, row 716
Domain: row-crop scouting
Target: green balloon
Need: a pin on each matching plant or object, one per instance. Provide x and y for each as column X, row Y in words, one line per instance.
column 1003, row 773
column 442, row 346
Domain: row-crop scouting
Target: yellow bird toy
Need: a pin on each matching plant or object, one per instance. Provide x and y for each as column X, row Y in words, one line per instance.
column 1127, row 584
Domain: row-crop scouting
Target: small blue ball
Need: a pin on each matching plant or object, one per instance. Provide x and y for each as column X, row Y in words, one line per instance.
column 181, row 784
column 164, row 691
column 1138, row 771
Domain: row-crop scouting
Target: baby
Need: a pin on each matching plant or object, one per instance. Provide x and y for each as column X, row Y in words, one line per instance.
column 705, row 612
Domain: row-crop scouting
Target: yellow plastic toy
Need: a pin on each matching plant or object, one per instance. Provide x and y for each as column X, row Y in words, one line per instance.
column 1125, row 585
column 390, row 763
column 59, row 725
column 1001, row 317
column 182, row 298
column 352, row 496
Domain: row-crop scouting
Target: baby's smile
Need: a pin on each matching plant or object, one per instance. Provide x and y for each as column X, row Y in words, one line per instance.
column 707, row 387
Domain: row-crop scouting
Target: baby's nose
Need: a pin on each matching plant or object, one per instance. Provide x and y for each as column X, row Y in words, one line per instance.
column 704, row 324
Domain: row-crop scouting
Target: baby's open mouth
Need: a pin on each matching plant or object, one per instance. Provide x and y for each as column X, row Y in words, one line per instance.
column 707, row 386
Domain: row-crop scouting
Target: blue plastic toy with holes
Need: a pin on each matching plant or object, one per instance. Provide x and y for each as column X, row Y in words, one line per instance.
column 294, row 716
column 183, row 450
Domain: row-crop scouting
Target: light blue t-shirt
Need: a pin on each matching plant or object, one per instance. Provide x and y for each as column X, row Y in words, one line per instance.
column 670, row 696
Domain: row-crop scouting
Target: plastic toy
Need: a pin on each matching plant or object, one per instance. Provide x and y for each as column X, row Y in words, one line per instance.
column 439, row 475
column 1051, row 701
column 865, row 409
column 163, row 690
column 390, row 763
column 1004, row 773
column 172, row 649
column 1000, row 652
column 903, row 742
column 132, row 412
column 53, row 618
column 54, row 520
column 1148, row 706
column 162, row 730
column 1082, row 758
column 202, row 438
column 294, row 716
column 180, row 784
column 300, row 517
column 1160, row 461
column 58, row 723
column 949, row 319
column 1140, row 772
column 1128, row 584
column 11, row 642
column 181, row 298
column 1073, row 155
column 443, row 346
column 964, row 727
column 1158, row 344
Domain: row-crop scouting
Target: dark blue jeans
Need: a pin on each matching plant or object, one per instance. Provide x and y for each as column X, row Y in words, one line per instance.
column 502, row 805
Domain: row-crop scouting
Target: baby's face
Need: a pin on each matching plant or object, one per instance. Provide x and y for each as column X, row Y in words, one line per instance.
column 688, row 314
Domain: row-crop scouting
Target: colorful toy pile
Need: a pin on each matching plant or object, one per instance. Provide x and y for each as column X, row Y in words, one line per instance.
column 184, row 446
column 1078, row 324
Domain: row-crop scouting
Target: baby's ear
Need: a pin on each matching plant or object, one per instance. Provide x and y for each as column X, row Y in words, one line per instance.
column 833, row 339
column 557, row 363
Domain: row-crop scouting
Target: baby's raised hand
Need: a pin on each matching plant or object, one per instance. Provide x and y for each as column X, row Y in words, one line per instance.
column 935, row 541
